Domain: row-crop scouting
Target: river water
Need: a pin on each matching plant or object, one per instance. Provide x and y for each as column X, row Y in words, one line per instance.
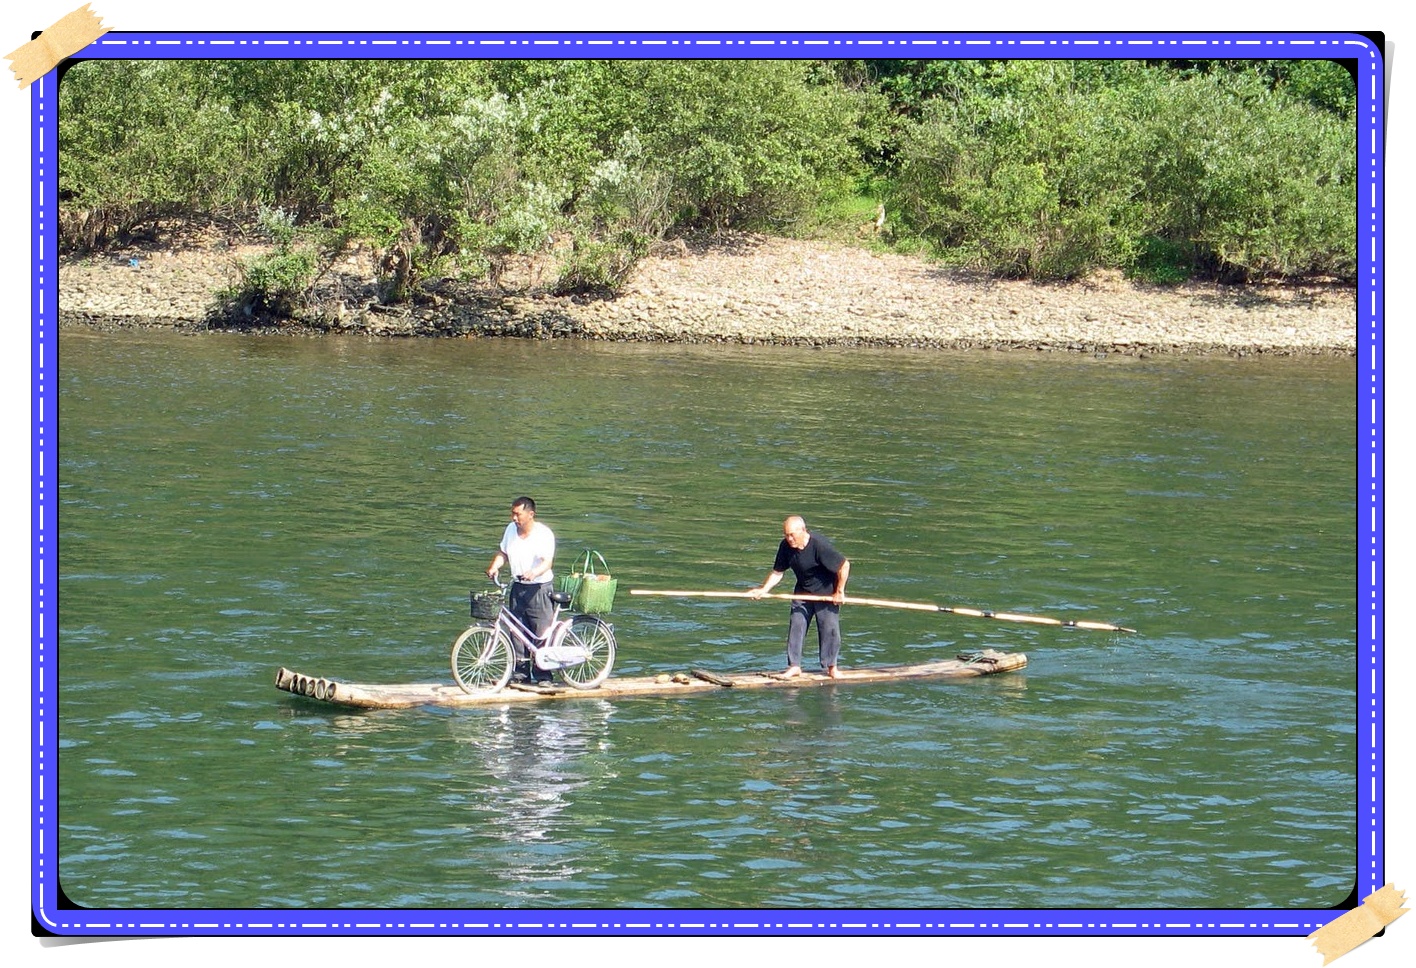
column 228, row 505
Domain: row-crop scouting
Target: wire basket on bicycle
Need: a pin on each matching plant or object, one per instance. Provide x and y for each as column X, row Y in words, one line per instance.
column 487, row 605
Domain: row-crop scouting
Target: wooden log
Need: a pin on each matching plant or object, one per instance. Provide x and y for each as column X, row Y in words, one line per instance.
column 404, row 695
column 713, row 677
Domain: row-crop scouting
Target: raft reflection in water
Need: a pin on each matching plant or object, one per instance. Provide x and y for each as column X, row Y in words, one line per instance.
column 526, row 766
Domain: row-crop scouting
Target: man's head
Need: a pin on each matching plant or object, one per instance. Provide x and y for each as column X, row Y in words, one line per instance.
column 523, row 512
column 795, row 533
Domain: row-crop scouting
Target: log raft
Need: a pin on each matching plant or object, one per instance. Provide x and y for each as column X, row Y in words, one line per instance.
column 399, row 696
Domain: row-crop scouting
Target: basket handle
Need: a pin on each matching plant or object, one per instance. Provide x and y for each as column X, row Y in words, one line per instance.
column 587, row 567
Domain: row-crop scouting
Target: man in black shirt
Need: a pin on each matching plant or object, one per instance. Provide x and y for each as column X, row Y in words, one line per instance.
column 820, row 570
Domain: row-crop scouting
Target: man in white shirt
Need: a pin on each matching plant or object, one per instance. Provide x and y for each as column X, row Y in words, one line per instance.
column 530, row 548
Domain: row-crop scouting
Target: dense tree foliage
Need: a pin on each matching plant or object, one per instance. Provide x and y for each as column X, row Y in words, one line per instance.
column 1045, row 169
column 1048, row 169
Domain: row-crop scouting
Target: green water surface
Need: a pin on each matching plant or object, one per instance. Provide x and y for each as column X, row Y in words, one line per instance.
column 229, row 505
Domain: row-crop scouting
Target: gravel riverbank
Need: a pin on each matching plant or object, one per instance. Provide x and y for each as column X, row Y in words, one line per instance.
column 754, row 289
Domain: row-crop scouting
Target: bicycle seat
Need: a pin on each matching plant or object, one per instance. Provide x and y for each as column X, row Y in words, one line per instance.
column 560, row 598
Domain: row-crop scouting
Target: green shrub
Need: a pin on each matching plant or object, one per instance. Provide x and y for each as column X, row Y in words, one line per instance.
column 1051, row 169
column 1256, row 182
column 1162, row 262
column 276, row 284
column 1026, row 176
column 600, row 266
column 141, row 141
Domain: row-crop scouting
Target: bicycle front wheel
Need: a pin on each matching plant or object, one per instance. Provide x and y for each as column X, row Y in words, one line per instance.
column 481, row 659
column 598, row 640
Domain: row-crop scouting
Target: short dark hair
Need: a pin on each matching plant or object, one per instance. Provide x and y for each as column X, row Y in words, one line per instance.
column 525, row 502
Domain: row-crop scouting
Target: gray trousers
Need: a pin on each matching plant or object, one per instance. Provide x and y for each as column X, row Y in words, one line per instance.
column 828, row 631
column 532, row 604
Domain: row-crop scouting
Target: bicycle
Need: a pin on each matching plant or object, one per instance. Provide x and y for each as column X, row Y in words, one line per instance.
column 580, row 650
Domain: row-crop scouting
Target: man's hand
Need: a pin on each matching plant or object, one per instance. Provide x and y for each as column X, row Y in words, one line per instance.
column 757, row 592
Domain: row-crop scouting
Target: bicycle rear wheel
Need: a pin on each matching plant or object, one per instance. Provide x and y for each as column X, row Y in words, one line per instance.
column 481, row 659
column 598, row 640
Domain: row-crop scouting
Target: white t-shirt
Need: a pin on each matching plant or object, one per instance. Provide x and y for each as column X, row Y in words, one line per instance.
column 530, row 552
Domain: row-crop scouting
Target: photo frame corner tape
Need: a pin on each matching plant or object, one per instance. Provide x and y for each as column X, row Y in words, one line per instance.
column 67, row 36
column 1377, row 910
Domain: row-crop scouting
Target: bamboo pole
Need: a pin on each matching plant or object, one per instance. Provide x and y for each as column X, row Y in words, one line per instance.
column 888, row 603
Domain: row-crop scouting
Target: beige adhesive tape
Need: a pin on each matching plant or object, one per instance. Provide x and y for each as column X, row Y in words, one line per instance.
column 1375, row 912
column 70, row 34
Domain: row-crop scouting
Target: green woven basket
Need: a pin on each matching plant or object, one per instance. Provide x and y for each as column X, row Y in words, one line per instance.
column 590, row 592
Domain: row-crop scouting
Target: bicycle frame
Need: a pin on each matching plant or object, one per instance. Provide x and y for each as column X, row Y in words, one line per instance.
column 548, row 651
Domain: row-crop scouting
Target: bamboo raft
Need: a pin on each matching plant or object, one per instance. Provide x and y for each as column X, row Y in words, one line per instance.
column 401, row 696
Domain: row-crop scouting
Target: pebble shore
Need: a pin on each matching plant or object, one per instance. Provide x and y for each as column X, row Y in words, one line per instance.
column 754, row 289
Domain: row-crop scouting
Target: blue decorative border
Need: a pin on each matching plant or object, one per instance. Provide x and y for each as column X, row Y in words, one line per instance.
column 1371, row 748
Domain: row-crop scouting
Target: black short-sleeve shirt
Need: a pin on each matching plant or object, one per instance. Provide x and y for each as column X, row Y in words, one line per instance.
column 815, row 565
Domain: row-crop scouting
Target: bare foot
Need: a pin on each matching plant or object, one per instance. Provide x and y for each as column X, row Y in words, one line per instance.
column 791, row 672
column 833, row 672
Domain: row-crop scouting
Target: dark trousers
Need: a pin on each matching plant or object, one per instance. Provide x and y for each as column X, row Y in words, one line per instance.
column 828, row 631
column 532, row 604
